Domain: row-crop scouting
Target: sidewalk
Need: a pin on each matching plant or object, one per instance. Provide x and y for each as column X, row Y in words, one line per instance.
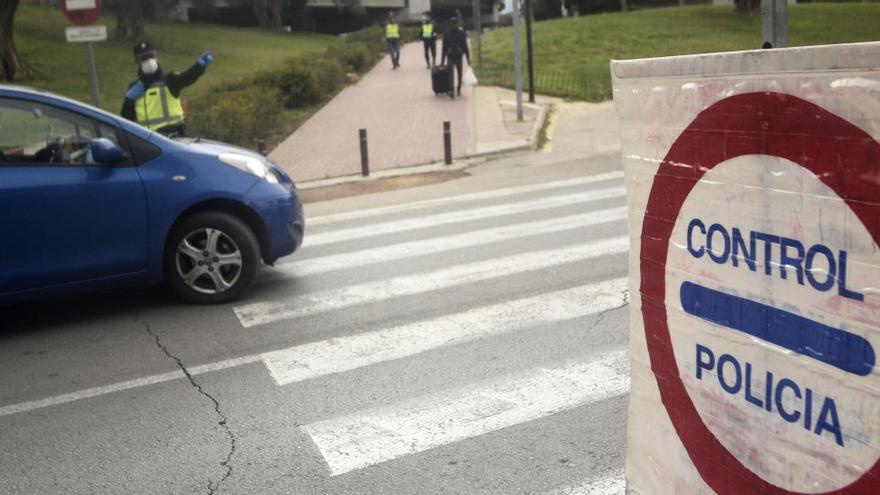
column 404, row 122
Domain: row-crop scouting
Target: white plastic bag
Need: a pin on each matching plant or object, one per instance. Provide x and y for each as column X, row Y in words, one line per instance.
column 469, row 79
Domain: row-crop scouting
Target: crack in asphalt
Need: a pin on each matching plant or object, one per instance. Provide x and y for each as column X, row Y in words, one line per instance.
column 602, row 315
column 227, row 463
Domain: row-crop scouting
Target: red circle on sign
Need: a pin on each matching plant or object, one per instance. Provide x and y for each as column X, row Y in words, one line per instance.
column 81, row 17
column 841, row 155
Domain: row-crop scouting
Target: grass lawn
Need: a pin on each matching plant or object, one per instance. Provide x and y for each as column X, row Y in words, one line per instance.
column 61, row 67
column 571, row 55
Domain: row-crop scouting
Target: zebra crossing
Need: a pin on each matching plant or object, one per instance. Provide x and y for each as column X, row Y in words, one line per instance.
column 352, row 440
column 524, row 274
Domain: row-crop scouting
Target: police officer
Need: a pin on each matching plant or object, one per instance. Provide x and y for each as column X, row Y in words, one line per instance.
column 153, row 100
column 429, row 39
column 392, row 38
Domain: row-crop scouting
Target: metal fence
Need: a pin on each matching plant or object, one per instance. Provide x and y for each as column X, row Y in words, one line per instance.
column 581, row 86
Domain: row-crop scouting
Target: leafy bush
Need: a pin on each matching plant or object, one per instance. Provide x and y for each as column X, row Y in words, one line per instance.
column 373, row 37
column 330, row 71
column 240, row 116
column 355, row 55
column 302, row 81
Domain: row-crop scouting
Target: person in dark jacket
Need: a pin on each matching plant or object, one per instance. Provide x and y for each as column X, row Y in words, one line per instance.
column 455, row 46
column 153, row 100
column 428, row 36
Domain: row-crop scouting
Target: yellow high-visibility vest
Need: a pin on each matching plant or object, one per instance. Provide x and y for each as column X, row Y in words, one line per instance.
column 427, row 30
column 158, row 108
column 392, row 30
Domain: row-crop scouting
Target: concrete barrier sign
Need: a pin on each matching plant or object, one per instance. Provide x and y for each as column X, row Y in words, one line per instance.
column 754, row 196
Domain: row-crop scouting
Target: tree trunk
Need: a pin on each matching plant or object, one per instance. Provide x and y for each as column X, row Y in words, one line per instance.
column 129, row 19
column 624, row 6
column 268, row 13
column 13, row 65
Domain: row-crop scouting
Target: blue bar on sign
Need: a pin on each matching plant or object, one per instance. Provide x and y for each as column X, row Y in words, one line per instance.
column 839, row 348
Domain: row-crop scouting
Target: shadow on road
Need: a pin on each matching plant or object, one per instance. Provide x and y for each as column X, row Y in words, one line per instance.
column 50, row 313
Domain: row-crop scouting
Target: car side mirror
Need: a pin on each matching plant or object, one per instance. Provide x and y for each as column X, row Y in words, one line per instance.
column 105, row 151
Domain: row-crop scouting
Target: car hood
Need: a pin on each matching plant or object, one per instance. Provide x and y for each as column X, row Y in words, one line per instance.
column 214, row 148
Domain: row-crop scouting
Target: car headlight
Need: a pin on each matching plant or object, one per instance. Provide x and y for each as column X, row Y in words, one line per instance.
column 250, row 165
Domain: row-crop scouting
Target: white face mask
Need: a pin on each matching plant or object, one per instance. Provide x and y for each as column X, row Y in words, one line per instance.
column 150, row 66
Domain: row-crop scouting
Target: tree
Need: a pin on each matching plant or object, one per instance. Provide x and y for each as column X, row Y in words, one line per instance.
column 746, row 5
column 129, row 18
column 268, row 12
column 13, row 65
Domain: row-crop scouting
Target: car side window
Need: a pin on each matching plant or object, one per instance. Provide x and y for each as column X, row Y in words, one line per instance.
column 35, row 134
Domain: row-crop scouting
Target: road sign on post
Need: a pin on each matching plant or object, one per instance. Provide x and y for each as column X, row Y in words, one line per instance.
column 83, row 13
column 755, row 240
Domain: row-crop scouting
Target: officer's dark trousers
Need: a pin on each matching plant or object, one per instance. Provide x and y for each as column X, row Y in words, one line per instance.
column 394, row 51
column 430, row 48
column 455, row 66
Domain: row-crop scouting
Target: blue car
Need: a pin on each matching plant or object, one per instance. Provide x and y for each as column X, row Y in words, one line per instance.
column 89, row 200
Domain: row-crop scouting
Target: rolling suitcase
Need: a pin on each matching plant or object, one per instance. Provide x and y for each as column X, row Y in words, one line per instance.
column 440, row 79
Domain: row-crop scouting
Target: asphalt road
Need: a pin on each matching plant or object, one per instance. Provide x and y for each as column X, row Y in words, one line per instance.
column 467, row 337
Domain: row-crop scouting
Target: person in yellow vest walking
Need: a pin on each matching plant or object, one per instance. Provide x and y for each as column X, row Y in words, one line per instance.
column 392, row 38
column 153, row 100
column 429, row 39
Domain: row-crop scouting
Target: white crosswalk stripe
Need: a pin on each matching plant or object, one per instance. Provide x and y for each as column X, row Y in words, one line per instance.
column 463, row 198
column 434, row 245
column 613, row 483
column 344, row 354
column 437, row 219
column 261, row 313
column 369, row 437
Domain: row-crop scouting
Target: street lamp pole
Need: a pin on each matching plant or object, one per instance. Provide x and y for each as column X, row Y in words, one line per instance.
column 517, row 61
column 478, row 29
column 774, row 23
column 529, row 60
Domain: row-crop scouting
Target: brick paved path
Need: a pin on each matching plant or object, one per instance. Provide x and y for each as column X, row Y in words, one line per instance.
column 403, row 118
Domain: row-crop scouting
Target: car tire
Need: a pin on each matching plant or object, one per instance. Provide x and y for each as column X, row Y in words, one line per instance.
column 211, row 258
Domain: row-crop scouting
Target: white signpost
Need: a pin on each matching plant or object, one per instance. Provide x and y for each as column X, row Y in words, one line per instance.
column 81, row 34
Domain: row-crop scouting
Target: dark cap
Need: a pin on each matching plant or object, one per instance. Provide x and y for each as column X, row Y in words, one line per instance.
column 144, row 47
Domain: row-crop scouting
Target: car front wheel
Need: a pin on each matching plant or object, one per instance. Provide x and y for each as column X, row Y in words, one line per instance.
column 211, row 258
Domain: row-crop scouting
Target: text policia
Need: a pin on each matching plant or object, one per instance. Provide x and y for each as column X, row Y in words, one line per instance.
column 817, row 266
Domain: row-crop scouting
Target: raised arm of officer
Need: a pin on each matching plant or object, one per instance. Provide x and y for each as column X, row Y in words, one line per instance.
column 177, row 82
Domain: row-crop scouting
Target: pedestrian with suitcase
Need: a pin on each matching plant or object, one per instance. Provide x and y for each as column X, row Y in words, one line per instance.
column 455, row 47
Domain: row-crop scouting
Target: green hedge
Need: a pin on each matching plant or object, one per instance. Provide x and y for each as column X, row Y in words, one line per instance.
column 237, row 116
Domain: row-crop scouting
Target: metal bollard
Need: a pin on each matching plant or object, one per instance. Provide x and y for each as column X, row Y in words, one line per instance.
column 365, row 159
column 447, row 143
column 261, row 147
